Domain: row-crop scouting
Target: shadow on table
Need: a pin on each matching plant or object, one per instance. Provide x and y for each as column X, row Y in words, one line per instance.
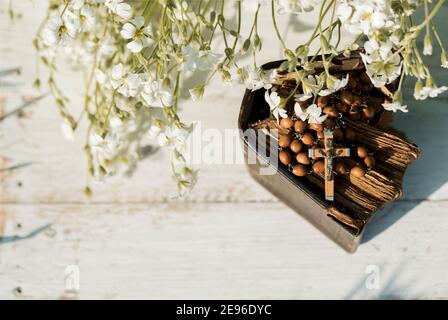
column 30, row 235
column 426, row 125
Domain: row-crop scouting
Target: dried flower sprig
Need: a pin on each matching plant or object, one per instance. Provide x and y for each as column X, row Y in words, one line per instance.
column 136, row 53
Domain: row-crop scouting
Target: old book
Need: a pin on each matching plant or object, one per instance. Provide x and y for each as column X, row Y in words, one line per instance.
column 356, row 199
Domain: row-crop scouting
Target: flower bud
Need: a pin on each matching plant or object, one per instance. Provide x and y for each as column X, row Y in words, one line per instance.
column 444, row 59
column 197, row 93
column 418, row 88
column 427, row 45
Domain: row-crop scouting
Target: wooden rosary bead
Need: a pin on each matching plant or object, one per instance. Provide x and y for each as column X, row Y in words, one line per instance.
column 330, row 123
column 368, row 113
column 286, row 123
column 319, row 166
column 340, row 168
column 302, row 157
column 350, row 134
column 300, row 126
column 347, row 97
column 308, row 138
column 322, row 102
column 369, row 161
column 358, row 171
column 285, row 157
column 331, row 112
column 354, row 114
column 318, row 127
column 338, row 135
column 362, row 152
column 284, row 140
column 357, row 101
column 296, row 146
column 343, row 107
column 299, row 170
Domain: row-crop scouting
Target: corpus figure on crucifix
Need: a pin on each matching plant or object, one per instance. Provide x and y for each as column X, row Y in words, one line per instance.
column 329, row 152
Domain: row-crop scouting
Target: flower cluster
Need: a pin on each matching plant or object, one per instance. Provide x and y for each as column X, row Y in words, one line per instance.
column 138, row 54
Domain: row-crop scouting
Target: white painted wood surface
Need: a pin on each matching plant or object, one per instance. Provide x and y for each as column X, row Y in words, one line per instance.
column 229, row 239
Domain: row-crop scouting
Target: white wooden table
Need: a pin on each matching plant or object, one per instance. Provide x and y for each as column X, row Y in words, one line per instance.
column 229, row 239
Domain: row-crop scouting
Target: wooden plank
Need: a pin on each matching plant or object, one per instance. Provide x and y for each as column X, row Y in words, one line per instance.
column 213, row 251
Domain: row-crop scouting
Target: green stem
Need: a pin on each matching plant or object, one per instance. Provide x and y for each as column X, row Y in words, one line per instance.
column 274, row 21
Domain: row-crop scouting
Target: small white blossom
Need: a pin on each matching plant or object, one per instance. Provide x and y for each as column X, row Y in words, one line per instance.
column 310, row 88
column 57, row 31
column 155, row 95
column 444, row 60
column 395, row 106
column 274, row 102
column 120, row 8
column 197, row 92
column 254, row 78
column 429, row 92
column 313, row 113
column 252, row 5
column 334, row 84
column 295, row 6
column 139, row 35
column 382, row 65
column 360, row 16
column 427, row 45
column 173, row 137
column 86, row 19
column 104, row 148
column 194, row 59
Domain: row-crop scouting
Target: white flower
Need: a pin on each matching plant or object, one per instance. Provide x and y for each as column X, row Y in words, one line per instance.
column 67, row 131
column 86, row 19
column 443, row 59
column 295, row 6
column 117, row 76
column 310, row 88
column 104, row 148
column 382, row 65
column 131, row 85
column 252, row 5
column 194, row 59
column 274, row 102
column 360, row 16
column 313, row 113
column 120, row 8
column 254, row 78
column 429, row 92
column 56, row 31
column 155, row 95
column 334, row 84
column 77, row 4
column 138, row 33
column 197, row 92
column 395, row 106
column 427, row 45
column 173, row 137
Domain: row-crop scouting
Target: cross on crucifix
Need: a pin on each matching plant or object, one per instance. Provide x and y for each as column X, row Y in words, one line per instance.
column 329, row 153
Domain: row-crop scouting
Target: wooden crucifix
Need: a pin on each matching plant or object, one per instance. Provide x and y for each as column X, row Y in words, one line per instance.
column 329, row 153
